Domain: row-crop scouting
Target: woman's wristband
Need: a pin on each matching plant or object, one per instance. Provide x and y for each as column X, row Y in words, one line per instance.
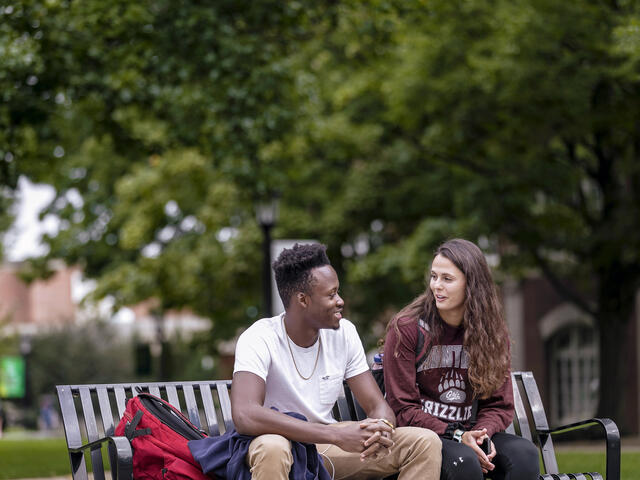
column 457, row 435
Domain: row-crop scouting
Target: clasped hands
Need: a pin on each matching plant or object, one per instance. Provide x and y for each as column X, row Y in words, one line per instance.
column 474, row 439
column 379, row 442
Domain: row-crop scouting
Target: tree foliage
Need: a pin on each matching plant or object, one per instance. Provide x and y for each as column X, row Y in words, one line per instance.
column 384, row 126
column 516, row 121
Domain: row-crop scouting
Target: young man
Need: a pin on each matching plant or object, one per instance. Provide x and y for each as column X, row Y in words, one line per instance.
column 296, row 362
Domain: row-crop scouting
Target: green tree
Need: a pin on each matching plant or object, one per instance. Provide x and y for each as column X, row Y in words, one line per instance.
column 164, row 112
column 30, row 82
column 517, row 121
column 385, row 126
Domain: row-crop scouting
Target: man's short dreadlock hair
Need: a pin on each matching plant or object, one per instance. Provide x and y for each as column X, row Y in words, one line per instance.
column 293, row 268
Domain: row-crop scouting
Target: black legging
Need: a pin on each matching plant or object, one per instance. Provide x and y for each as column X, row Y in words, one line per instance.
column 516, row 459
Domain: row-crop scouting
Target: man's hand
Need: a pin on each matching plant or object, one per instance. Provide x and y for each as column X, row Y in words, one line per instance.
column 369, row 438
column 474, row 439
column 379, row 443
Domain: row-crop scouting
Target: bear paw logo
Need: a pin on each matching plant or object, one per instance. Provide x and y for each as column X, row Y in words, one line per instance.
column 451, row 388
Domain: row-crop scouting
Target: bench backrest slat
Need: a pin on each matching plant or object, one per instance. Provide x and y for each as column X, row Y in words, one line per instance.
column 520, row 420
column 360, row 413
column 356, row 412
column 92, row 432
column 342, row 406
column 89, row 414
column 535, row 402
column 69, row 416
column 121, row 399
column 72, row 431
column 225, row 404
column 105, row 410
column 209, row 409
column 191, row 405
column 539, row 417
column 172, row 396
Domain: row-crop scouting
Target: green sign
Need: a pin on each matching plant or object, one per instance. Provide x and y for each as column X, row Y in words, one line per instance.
column 12, row 377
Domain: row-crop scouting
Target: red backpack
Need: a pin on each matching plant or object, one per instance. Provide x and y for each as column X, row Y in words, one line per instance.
column 159, row 434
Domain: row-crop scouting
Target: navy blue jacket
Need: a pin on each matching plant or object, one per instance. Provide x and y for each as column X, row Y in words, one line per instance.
column 224, row 456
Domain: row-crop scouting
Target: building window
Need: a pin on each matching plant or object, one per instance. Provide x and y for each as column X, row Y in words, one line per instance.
column 573, row 373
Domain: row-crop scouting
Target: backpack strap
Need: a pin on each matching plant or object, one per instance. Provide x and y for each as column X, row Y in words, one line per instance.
column 130, row 430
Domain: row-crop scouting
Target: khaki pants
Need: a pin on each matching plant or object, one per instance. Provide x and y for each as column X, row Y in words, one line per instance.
column 416, row 455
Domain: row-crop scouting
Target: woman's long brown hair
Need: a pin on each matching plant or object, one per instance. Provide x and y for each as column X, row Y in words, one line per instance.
column 486, row 338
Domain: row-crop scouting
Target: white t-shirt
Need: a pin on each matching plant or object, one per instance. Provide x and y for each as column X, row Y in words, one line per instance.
column 262, row 349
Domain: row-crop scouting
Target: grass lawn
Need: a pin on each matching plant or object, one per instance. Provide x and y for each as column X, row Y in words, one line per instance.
column 579, row 462
column 33, row 458
column 27, row 458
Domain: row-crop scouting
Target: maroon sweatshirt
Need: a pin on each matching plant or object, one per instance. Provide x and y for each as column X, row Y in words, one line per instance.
column 438, row 392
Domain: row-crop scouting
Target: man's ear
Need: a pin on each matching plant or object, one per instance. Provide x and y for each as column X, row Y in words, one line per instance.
column 302, row 299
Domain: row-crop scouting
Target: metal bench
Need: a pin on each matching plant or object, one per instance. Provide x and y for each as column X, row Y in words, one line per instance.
column 91, row 412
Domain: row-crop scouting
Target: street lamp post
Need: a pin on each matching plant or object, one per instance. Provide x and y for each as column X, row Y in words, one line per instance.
column 25, row 351
column 267, row 214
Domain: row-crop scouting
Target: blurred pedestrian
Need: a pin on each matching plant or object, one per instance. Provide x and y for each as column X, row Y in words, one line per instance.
column 48, row 416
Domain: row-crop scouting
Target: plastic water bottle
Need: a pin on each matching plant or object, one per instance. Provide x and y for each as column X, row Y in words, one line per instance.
column 377, row 361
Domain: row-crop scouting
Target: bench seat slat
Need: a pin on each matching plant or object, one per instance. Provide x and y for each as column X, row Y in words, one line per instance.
column 154, row 390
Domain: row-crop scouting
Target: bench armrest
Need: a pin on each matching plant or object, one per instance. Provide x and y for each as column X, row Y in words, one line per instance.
column 120, row 454
column 610, row 432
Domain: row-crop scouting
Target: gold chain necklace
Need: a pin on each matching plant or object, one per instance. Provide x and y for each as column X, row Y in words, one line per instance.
column 294, row 358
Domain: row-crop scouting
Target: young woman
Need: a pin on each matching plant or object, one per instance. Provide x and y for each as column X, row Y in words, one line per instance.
column 466, row 357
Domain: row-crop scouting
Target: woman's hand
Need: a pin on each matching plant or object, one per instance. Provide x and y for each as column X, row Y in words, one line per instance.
column 474, row 439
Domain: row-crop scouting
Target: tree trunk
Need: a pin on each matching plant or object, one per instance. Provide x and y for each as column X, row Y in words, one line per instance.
column 613, row 369
column 616, row 302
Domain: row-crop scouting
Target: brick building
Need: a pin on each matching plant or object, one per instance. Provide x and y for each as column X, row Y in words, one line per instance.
column 27, row 308
column 42, row 303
